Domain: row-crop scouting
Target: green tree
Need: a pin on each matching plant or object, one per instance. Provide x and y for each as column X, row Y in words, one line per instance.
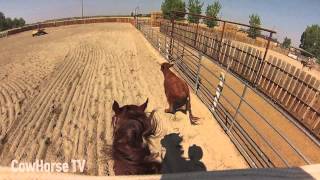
column 195, row 7
column 286, row 42
column 2, row 21
column 22, row 22
column 255, row 22
column 213, row 11
column 310, row 40
column 2, row 16
column 8, row 23
column 172, row 5
column 15, row 23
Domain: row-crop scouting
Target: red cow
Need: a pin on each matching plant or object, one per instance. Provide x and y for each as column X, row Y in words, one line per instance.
column 177, row 93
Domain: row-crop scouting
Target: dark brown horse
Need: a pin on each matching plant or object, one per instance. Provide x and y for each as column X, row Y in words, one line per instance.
column 130, row 150
column 177, row 92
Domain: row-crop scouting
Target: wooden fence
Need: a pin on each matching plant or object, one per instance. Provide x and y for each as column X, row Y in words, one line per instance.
column 296, row 91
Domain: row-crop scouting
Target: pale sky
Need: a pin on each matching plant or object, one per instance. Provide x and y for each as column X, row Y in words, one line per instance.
column 287, row 17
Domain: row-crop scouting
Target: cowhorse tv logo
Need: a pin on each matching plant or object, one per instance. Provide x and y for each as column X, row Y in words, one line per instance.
column 75, row 165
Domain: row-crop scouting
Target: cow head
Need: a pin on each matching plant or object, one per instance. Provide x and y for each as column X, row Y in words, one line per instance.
column 165, row 66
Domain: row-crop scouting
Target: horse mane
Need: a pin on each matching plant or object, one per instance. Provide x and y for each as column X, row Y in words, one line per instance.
column 129, row 150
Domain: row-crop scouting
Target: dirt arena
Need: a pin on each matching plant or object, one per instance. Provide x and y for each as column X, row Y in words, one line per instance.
column 56, row 93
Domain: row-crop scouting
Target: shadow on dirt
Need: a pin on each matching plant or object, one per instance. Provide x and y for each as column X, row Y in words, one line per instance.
column 173, row 162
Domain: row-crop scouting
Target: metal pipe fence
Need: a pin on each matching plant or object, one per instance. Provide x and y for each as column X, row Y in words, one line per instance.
column 289, row 87
column 252, row 142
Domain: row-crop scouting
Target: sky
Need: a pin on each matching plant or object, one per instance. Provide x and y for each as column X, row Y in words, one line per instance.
column 287, row 17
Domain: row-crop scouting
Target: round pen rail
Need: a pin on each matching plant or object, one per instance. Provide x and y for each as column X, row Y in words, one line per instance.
column 187, row 60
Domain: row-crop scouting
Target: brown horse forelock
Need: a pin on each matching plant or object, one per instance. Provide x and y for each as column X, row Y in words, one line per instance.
column 128, row 114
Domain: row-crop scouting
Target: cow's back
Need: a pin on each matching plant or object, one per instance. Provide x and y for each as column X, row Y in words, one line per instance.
column 175, row 87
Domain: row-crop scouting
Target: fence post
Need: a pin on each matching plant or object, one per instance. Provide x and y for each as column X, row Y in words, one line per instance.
column 159, row 44
column 221, row 39
column 182, row 55
column 316, row 96
column 167, row 46
column 261, row 64
column 197, row 85
column 196, row 36
column 152, row 42
column 238, row 108
column 219, row 89
column 205, row 49
column 171, row 37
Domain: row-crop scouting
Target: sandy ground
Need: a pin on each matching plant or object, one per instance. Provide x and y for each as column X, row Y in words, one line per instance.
column 56, row 93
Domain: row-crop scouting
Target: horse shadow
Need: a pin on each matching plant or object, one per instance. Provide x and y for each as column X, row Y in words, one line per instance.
column 173, row 162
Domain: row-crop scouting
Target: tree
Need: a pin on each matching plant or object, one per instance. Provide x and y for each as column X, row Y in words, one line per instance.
column 172, row 5
column 310, row 40
column 15, row 23
column 213, row 11
column 22, row 22
column 2, row 21
column 286, row 42
column 8, row 23
column 195, row 7
column 254, row 22
column 2, row 16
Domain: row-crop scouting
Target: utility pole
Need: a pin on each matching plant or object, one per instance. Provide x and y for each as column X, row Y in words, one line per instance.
column 82, row 8
column 136, row 14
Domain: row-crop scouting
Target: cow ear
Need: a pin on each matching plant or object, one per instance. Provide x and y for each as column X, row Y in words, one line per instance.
column 115, row 107
column 144, row 105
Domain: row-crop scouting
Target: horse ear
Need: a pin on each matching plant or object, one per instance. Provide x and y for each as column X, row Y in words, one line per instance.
column 144, row 105
column 115, row 107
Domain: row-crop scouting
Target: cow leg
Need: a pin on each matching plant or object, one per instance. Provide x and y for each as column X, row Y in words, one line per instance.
column 181, row 105
column 183, row 109
column 170, row 109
